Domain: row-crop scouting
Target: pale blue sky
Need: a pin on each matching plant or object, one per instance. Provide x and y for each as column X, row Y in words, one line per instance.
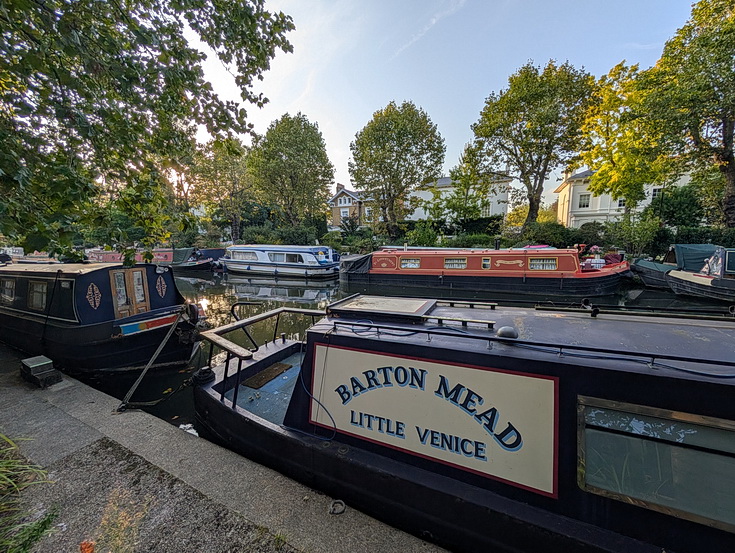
column 352, row 57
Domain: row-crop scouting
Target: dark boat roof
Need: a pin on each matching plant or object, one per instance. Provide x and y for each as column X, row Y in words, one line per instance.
column 697, row 347
column 52, row 268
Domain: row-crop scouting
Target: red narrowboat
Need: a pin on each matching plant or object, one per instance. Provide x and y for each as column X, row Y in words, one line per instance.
column 547, row 271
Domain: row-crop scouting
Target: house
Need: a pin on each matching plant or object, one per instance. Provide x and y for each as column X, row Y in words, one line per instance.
column 577, row 205
column 345, row 204
column 498, row 199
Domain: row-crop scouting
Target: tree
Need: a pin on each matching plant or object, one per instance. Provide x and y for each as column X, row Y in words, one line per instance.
column 398, row 150
column 690, row 93
column 472, row 187
column 108, row 92
column 534, row 125
column 678, row 206
column 220, row 181
column 291, row 168
column 518, row 216
column 620, row 144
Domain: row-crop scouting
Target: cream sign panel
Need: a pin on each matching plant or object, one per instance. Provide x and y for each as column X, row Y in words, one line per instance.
column 495, row 423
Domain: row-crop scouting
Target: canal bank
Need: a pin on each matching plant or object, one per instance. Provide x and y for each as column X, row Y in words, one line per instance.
column 134, row 478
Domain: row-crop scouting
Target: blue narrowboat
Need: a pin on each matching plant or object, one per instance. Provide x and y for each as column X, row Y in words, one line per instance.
column 487, row 428
column 96, row 317
column 282, row 261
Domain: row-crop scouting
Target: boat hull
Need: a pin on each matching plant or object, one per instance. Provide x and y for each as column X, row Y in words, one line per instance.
column 694, row 284
column 282, row 270
column 99, row 347
column 584, row 287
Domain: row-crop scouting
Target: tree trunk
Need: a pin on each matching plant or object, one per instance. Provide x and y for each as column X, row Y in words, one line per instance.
column 534, row 204
column 728, row 169
column 235, row 229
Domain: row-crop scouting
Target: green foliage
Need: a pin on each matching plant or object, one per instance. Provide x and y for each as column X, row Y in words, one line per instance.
column 398, row 150
column 471, row 241
column 588, row 233
column 423, row 234
column 98, row 99
column 350, row 226
column 621, row 145
column 551, row 234
column 705, row 235
column 634, row 233
column 689, row 94
column 333, row 239
column 482, row 225
column 534, row 125
column 472, row 187
column 677, row 206
column 291, row 168
column 17, row 474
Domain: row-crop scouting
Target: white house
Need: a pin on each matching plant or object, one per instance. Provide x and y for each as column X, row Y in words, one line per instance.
column 577, row 205
column 498, row 200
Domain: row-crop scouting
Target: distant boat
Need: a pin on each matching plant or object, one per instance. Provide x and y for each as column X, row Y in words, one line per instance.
column 187, row 261
column 96, row 317
column 547, row 271
column 486, row 428
column 716, row 279
column 282, row 261
column 686, row 257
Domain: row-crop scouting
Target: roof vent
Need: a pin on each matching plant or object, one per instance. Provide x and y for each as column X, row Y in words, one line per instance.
column 507, row 332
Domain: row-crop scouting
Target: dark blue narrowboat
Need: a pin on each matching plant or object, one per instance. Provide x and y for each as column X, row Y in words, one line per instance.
column 90, row 317
column 485, row 428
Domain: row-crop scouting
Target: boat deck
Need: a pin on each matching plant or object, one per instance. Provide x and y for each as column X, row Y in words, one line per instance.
column 268, row 392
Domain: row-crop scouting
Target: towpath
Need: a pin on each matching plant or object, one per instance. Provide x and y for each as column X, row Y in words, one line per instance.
column 132, row 482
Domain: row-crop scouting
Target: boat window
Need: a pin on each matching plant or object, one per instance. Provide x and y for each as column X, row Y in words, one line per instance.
column 542, row 264
column 244, row 256
column 730, row 262
column 121, row 294
column 455, row 262
column 7, row 290
column 485, row 262
column 410, row 263
column 294, row 258
column 37, row 295
column 665, row 461
column 277, row 257
column 139, row 287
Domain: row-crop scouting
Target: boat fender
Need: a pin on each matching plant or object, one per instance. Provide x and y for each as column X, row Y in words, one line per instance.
column 507, row 332
column 192, row 310
column 337, row 507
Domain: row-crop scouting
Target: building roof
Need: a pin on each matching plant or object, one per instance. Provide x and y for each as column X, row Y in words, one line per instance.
column 354, row 195
column 582, row 175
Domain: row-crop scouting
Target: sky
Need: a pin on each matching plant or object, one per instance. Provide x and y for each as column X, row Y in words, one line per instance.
column 352, row 57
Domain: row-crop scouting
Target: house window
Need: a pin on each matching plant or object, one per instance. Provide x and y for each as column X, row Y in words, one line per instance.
column 344, row 213
column 37, row 295
column 621, row 202
column 542, row 264
column 486, row 211
column 244, row 256
column 410, row 263
column 584, row 200
column 368, row 212
column 485, row 262
column 455, row 262
column 344, row 200
column 7, row 290
column 656, row 192
column 661, row 460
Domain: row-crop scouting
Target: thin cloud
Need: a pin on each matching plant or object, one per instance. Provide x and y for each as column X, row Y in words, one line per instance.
column 639, row 46
column 454, row 7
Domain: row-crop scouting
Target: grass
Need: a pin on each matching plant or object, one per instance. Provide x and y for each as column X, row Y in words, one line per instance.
column 16, row 474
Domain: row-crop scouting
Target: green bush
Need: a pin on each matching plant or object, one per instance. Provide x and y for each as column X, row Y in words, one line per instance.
column 423, row 234
column 471, row 241
column 552, row 234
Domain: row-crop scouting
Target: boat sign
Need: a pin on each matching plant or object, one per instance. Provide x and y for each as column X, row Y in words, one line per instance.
column 495, row 423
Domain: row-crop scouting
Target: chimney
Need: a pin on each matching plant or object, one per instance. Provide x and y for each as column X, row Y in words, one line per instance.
column 339, row 187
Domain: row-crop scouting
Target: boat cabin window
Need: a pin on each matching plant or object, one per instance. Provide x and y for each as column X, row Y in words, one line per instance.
column 7, row 290
column 455, row 262
column 542, row 263
column 410, row 263
column 486, row 263
column 244, row 256
column 131, row 292
column 294, row 258
column 37, row 295
column 278, row 257
column 662, row 460
column 730, row 262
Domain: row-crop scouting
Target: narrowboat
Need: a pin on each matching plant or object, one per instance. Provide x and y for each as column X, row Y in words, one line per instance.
column 282, row 261
column 686, row 257
column 487, row 428
column 97, row 317
column 538, row 271
column 716, row 279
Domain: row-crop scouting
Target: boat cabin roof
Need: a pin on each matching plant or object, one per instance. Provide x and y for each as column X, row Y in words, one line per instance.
column 477, row 251
column 279, row 247
column 67, row 269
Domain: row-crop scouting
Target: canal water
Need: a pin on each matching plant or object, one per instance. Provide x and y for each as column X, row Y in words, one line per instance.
column 254, row 296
